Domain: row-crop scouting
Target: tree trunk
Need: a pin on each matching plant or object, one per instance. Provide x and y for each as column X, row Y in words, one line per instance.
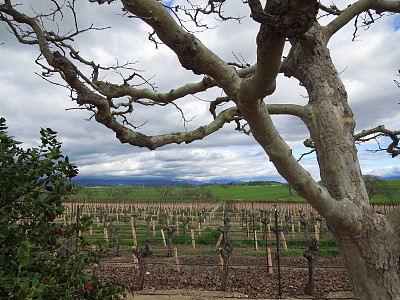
column 368, row 241
column 371, row 257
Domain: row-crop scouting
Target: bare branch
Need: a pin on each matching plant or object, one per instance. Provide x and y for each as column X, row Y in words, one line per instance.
column 155, row 98
column 242, row 128
column 332, row 10
column 212, row 7
column 395, row 81
column 102, row 1
column 305, row 154
column 215, row 103
column 380, row 6
column 22, row 36
column 373, row 134
column 381, row 131
column 192, row 54
column 287, row 109
column 365, row 20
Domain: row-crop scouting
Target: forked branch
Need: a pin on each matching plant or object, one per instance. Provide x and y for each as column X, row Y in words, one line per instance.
column 355, row 9
column 378, row 132
column 373, row 134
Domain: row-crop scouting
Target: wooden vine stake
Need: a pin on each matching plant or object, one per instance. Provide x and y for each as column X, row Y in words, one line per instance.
column 176, row 259
column 154, row 228
column 255, row 240
column 134, row 235
column 284, row 241
column 316, row 232
column 221, row 260
column 193, row 241
column 199, row 229
column 135, row 260
column 293, row 232
column 269, row 257
column 105, row 234
column 163, row 238
column 219, row 240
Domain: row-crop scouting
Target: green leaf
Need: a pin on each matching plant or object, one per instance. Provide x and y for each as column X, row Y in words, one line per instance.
column 21, row 251
column 24, row 261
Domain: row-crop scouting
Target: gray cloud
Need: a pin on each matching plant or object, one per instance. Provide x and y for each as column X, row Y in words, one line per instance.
column 367, row 67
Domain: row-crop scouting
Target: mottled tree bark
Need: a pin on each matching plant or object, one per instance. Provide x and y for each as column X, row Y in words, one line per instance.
column 368, row 241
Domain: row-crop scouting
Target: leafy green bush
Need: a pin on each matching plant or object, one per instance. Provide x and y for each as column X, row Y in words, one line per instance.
column 34, row 182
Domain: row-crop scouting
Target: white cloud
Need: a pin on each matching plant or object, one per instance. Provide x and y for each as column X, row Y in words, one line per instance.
column 385, row 172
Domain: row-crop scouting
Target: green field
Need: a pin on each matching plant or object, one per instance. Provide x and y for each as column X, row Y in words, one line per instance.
column 271, row 193
column 216, row 192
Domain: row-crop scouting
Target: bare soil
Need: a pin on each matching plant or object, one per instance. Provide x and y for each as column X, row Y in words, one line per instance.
column 200, row 277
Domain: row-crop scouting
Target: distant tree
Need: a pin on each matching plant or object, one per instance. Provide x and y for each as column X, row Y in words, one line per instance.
column 164, row 190
column 187, row 186
column 257, row 183
column 125, row 192
column 376, row 186
column 201, row 192
column 185, row 190
column 90, row 192
column 290, row 187
column 111, row 193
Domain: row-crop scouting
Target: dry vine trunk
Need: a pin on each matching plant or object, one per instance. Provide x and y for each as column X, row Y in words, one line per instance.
column 311, row 254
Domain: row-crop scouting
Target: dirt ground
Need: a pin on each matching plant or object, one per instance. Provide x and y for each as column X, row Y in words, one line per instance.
column 200, row 277
column 204, row 295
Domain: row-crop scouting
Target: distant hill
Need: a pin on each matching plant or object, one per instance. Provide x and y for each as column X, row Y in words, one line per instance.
column 395, row 177
column 126, row 181
column 117, row 181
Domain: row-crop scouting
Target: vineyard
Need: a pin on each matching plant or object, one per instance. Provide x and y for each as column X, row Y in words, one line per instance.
column 153, row 239
column 253, row 249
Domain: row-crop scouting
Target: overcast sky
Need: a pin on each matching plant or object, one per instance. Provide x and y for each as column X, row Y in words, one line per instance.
column 368, row 68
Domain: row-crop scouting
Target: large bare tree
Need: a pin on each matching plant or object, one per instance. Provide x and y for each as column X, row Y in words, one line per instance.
column 370, row 242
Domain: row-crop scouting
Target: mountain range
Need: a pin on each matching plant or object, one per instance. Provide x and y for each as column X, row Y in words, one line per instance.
column 117, row 181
